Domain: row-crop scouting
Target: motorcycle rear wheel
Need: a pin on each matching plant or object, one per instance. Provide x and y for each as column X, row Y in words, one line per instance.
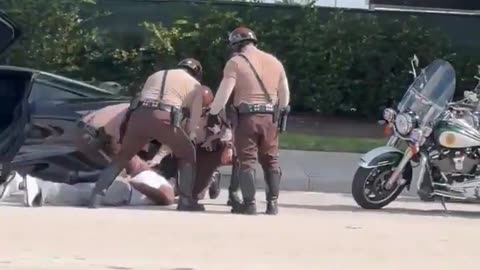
column 368, row 187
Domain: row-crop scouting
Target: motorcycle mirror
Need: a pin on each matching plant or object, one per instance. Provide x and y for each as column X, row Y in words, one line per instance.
column 415, row 60
column 414, row 74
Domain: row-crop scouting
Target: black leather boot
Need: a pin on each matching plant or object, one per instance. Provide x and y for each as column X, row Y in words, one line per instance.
column 186, row 179
column 234, row 199
column 214, row 188
column 105, row 180
column 272, row 179
column 247, row 185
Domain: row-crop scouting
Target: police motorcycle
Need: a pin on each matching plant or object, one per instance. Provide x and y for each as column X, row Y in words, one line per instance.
column 429, row 131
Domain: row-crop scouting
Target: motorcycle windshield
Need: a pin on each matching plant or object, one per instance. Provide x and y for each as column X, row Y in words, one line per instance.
column 430, row 93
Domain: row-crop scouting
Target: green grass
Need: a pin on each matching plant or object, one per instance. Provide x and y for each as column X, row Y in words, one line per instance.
column 329, row 144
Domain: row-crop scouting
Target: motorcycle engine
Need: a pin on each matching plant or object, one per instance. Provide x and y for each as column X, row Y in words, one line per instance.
column 453, row 162
column 458, row 164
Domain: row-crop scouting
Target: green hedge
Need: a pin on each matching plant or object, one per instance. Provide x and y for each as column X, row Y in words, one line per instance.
column 335, row 64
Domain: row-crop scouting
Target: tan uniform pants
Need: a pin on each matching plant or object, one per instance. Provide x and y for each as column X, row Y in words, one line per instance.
column 147, row 124
column 256, row 135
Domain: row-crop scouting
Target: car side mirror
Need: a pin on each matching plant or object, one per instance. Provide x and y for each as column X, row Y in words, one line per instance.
column 112, row 87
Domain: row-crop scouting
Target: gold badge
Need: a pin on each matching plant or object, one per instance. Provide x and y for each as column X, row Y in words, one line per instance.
column 450, row 139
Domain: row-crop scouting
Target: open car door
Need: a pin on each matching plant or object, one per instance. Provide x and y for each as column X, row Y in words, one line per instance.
column 14, row 112
column 13, row 128
column 9, row 32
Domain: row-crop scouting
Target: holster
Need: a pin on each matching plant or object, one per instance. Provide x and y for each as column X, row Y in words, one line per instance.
column 185, row 112
column 103, row 140
column 232, row 115
column 176, row 117
column 276, row 114
column 96, row 138
column 134, row 103
column 283, row 119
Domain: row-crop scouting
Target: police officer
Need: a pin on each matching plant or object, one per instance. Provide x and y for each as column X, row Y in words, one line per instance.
column 260, row 89
column 155, row 114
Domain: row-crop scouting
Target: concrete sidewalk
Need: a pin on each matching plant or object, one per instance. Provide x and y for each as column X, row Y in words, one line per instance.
column 310, row 171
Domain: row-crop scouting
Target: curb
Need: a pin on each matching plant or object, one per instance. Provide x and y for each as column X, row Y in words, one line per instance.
column 308, row 171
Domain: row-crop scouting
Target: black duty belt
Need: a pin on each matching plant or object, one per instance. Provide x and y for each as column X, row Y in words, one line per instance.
column 156, row 105
column 91, row 130
column 245, row 108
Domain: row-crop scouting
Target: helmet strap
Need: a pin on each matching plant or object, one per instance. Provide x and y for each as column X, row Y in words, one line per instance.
column 238, row 47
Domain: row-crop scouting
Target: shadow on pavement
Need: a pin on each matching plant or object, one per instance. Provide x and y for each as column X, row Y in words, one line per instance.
column 170, row 209
column 387, row 210
column 405, row 198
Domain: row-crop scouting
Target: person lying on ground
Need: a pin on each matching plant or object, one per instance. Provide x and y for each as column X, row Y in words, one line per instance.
column 100, row 131
column 146, row 188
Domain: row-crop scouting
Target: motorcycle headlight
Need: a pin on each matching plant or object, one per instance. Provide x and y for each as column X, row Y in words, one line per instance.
column 404, row 123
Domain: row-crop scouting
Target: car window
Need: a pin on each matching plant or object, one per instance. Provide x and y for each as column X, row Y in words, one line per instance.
column 42, row 91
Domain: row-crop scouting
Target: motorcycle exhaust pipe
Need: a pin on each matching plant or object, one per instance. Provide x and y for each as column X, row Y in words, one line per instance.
column 449, row 195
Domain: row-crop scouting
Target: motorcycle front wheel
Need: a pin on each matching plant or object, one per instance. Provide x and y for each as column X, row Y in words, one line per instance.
column 368, row 187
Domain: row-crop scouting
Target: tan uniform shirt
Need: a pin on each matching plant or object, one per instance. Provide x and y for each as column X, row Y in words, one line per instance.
column 110, row 118
column 239, row 78
column 179, row 84
column 181, row 90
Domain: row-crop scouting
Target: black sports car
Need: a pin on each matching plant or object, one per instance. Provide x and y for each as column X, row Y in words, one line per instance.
column 38, row 115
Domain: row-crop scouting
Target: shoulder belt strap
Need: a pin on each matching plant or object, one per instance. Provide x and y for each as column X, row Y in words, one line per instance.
column 164, row 80
column 260, row 82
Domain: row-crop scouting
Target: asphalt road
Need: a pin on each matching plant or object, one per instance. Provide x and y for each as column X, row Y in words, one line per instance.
column 314, row 230
column 313, row 171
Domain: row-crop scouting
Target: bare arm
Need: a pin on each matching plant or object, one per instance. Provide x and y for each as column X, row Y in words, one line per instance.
column 223, row 94
column 283, row 91
column 225, row 89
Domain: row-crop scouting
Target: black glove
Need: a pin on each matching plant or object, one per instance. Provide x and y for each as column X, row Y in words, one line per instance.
column 212, row 120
